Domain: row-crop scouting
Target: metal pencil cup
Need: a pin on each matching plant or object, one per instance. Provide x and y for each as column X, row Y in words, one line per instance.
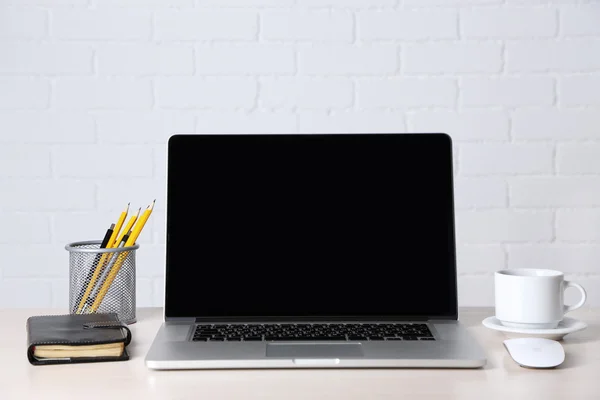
column 102, row 280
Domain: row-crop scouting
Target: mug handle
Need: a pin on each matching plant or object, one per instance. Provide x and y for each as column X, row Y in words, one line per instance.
column 583, row 296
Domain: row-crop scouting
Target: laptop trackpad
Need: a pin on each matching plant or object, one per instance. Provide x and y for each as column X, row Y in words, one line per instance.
column 314, row 350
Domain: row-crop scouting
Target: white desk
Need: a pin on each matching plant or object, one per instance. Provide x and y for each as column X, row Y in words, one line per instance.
column 577, row 378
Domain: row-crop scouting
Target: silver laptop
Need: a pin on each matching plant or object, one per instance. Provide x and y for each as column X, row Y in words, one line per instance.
column 310, row 251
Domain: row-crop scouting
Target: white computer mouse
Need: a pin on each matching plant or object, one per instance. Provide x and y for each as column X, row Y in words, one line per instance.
column 535, row 352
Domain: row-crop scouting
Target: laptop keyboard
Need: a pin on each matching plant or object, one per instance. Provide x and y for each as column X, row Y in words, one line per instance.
column 311, row 332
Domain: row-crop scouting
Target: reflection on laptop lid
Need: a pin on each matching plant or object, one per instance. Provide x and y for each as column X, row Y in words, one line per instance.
column 313, row 226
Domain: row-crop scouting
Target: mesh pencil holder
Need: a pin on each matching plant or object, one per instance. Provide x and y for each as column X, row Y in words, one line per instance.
column 102, row 280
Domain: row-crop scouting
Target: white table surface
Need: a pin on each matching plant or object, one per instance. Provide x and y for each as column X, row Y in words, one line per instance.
column 577, row 378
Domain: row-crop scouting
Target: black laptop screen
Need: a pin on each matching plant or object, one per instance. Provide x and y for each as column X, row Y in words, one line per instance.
column 344, row 225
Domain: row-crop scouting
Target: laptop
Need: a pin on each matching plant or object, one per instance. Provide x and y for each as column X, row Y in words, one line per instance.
column 310, row 251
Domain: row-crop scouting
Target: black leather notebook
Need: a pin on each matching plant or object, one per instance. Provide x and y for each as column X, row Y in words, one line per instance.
column 76, row 338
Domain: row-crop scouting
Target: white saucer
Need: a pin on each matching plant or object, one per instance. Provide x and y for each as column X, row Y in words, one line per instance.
column 566, row 326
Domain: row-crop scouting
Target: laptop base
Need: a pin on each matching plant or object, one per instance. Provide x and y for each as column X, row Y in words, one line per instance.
column 454, row 347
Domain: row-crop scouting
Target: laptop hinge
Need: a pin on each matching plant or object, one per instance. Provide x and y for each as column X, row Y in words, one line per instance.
column 179, row 320
column 308, row 319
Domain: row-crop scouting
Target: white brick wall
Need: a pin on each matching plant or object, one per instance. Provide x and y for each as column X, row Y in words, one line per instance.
column 325, row 26
column 49, row 59
column 407, row 25
column 444, row 58
column 580, row 21
column 102, row 93
column 376, row 59
column 579, row 90
column 144, row 59
column 23, row 23
column 101, row 161
column 508, row 23
column 319, row 93
column 250, row 59
column 24, row 93
column 505, row 159
column 203, row 93
column 545, row 55
column 86, row 85
column 101, row 25
column 205, row 25
column 351, row 121
column 406, row 92
column 509, row 92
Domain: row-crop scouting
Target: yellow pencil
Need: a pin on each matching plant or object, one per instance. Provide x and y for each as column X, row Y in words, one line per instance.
column 128, row 226
column 103, row 259
column 135, row 233
column 113, row 238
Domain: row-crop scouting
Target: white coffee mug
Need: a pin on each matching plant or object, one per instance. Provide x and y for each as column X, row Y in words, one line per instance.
column 532, row 298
